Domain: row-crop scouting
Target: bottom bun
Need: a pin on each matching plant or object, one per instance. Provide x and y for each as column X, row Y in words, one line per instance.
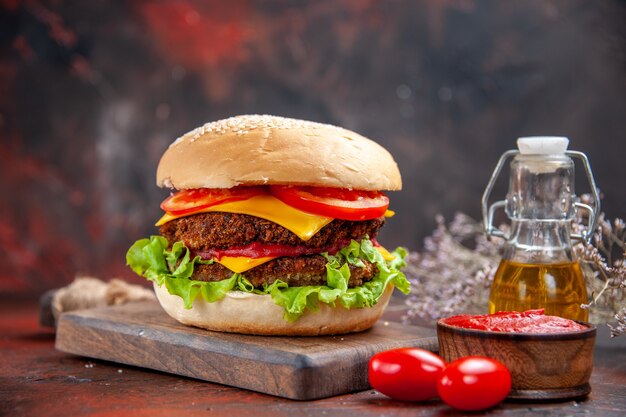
column 241, row 312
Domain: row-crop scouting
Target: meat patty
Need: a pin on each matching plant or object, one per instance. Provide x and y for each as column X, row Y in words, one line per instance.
column 219, row 230
column 205, row 231
column 297, row 272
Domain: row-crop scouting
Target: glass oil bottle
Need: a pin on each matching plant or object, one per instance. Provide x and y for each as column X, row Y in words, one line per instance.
column 539, row 268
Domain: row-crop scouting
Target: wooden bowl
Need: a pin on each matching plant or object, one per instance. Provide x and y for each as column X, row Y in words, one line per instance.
column 543, row 366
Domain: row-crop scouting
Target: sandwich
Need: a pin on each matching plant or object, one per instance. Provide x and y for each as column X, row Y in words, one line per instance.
column 271, row 227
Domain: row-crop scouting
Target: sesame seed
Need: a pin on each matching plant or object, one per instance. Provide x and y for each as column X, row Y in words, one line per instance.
column 241, row 125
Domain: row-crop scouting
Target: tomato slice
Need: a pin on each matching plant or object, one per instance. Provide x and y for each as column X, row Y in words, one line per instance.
column 338, row 203
column 188, row 201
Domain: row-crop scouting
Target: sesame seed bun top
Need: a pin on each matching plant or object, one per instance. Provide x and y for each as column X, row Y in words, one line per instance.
column 263, row 149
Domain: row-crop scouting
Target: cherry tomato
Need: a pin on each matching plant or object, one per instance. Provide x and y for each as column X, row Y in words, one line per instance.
column 474, row 383
column 407, row 374
column 338, row 203
column 188, row 201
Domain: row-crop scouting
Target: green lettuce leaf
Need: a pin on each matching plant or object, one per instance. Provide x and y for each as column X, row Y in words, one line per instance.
column 152, row 259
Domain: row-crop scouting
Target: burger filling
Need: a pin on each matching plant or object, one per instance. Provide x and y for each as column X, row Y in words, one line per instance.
column 206, row 231
column 210, row 235
column 296, row 272
column 204, row 252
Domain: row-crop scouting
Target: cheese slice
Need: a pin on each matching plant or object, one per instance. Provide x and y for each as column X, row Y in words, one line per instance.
column 387, row 256
column 241, row 264
column 268, row 207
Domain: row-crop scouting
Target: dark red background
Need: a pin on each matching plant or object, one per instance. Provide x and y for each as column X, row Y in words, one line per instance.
column 91, row 93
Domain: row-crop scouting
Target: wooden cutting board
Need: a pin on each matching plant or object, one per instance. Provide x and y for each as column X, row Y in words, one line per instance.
column 301, row 368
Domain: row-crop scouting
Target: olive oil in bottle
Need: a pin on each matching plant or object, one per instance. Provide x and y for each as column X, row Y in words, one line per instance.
column 557, row 288
column 539, row 268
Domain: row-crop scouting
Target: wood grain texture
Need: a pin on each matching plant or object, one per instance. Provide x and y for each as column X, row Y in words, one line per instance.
column 37, row 380
column 301, row 368
column 550, row 366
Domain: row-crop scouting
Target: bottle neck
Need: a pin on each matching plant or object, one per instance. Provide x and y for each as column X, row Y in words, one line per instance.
column 541, row 187
column 540, row 242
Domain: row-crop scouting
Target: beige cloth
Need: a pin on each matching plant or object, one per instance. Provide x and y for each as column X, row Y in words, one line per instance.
column 88, row 292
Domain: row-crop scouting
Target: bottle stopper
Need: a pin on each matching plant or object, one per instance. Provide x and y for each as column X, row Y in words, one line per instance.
column 542, row 145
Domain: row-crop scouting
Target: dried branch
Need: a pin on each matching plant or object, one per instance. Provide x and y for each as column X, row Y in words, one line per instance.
column 454, row 272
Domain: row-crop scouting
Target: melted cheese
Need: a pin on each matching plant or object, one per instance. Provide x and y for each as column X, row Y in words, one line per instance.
column 386, row 255
column 304, row 225
column 241, row 264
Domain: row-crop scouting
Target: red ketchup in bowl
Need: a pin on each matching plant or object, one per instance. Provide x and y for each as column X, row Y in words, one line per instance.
column 530, row 321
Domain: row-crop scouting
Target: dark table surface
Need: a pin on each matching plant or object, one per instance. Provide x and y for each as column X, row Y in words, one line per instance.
column 37, row 380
